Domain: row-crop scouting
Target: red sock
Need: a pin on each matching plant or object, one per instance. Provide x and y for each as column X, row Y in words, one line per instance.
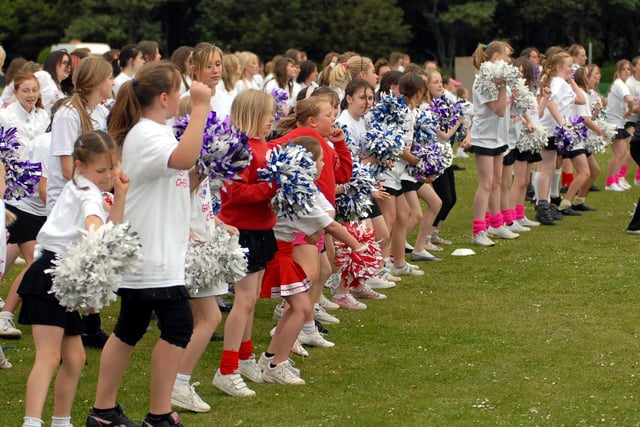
column 507, row 217
column 610, row 180
column 229, row 362
column 520, row 212
column 623, row 171
column 479, row 225
column 496, row 220
column 246, row 350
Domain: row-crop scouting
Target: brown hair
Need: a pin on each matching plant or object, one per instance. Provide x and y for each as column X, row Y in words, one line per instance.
column 484, row 52
column 310, row 144
column 22, row 77
column 148, row 49
column 302, row 111
column 619, row 66
column 89, row 145
column 549, row 69
column 139, row 93
column 249, row 109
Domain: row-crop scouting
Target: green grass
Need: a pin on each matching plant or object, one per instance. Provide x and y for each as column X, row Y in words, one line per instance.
column 538, row 331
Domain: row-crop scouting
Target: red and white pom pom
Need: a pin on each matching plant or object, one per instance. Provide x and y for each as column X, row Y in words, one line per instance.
column 357, row 266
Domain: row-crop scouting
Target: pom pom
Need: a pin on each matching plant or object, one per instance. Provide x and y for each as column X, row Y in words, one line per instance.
column 91, row 273
column 485, row 83
column 281, row 97
column 567, row 137
column 356, row 267
column 433, row 159
column 355, row 201
column 445, row 112
column 425, row 128
column 293, row 169
column 214, row 262
column 532, row 141
column 522, row 100
column 387, row 122
column 225, row 152
column 597, row 144
column 22, row 177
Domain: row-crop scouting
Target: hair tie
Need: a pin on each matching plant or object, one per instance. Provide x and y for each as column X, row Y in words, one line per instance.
column 345, row 65
column 485, row 46
column 134, row 82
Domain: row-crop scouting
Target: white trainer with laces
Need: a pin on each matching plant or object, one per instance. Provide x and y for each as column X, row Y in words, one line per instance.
column 406, row 270
column 327, row 304
column 385, row 274
column 298, row 349
column 314, row 339
column 321, row 315
column 249, row 369
column 365, row 291
column 348, row 301
column 614, row 187
column 526, row 222
column 186, row 397
column 4, row 363
column 7, row 327
column 278, row 311
column 623, row 183
column 502, row 232
column 376, row 282
column 264, row 361
column 281, row 374
column 481, row 239
column 516, row 227
column 232, row 384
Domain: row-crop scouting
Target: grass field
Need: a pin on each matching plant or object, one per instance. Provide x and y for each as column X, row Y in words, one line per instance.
column 542, row 330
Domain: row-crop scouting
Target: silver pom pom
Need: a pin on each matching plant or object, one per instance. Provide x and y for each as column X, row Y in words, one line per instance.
column 532, row 141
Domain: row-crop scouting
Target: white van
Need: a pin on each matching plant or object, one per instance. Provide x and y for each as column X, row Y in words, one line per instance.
column 95, row 48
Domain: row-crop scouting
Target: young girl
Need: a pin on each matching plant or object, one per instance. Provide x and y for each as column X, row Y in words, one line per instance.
column 157, row 166
column 489, row 138
column 620, row 110
column 150, row 50
column 82, row 112
column 284, row 277
column 355, row 66
column 559, row 94
column 182, row 58
column 56, row 68
column 207, row 69
column 30, row 119
column 130, row 61
column 56, row 331
column 249, row 68
column 285, row 71
column 226, row 88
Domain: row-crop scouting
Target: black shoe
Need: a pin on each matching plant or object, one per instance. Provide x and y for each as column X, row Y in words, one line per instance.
column 225, row 307
column 564, row 189
column 556, row 200
column 112, row 418
column 457, row 167
column 583, row 207
column 555, row 213
column 569, row 212
column 216, row 337
column 173, row 421
column 321, row 329
column 95, row 340
column 543, row 214
column 594, row 188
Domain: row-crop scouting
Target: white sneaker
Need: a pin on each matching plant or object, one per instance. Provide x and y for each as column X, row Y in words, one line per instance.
column 20, row 260
column 314, row 339
column 622, row 182
column 613, row 187
column 406, row 270
column 333, row 281
column 516, row 227
column 636, row 182
column 526, row 222
column 321, row 315
column 232, row 384
column 185, row 397
column 460, row 154
column 1, row 303
column 7, row 327
column 250, row 370
column 376, row 282
column 4, row 363
column 278, row 311
column 365, row 291
column 481, row 239
column 264, row 361
column 502, row 232
column 385, row 274
column 281, row 374
column 348, row 301
column 298, row 349
column 327, row 304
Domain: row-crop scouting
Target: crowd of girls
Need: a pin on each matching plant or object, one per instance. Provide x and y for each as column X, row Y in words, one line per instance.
column 96, row 133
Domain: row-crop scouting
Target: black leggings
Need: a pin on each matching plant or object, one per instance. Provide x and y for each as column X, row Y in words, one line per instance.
column 445, row 187
column 634, row 150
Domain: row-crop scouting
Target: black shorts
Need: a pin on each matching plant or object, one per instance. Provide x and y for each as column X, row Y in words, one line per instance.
column 375, row 210
column 26, row 226
column 39, row 307
column 574, row 153
column 628, row 125
column 622, row 134
column 392, row 191
column 262, row 247
column 509, row 158
column 171, row 305
column 492, row 152
column 410, row 186
column 527, row 156
column 551, row 144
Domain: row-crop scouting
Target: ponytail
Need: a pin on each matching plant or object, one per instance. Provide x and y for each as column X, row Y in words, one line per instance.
column 484, row 52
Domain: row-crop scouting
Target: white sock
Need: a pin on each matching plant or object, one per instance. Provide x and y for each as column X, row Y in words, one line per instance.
column 534, row 182
column 6, row 315
column 182, row 379
column 309, row 327
column 32, row 422
column 61, row 422
column 555, row 182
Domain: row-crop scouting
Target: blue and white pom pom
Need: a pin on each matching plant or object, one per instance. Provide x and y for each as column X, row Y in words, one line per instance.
column 433, row 159
column 91, row 272
column 292, row 168
column 387, row 123
column 225, row 152
column 355, row 202
column 567, row 137
column 281, row 97
column 22, row 176
column 533, row 141
column 425, row 128
column 214, row 262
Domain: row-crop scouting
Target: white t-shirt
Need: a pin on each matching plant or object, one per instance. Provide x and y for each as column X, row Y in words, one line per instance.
column 157, row 205
column 286, row 229
column 65, row 130
column 202, row 218
column 7, row 94
column 36, row 150
column 246, row 84
column 28, row 125
column 634, row 87
column 564, row 97
column 222, row 100
column 489, row 130
column 616, row 105
column 119, row 80
column 357, row 133
column 49, row 90
column 78, row 200
column 272, row 84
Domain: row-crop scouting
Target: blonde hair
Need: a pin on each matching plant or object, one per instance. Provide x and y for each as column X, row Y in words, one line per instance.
column 303, row 110
column 3, row 57
column 230, row 64
column 90, row 73
column 245, row 58
column 203, row 53
column 185, row 106
column 484, row 52
column 249, row 109
column 348, row 70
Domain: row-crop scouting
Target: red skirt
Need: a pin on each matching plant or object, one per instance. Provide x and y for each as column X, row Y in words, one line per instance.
column 283, row 276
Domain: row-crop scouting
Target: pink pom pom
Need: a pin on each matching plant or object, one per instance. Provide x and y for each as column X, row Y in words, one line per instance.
column 356, row 267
